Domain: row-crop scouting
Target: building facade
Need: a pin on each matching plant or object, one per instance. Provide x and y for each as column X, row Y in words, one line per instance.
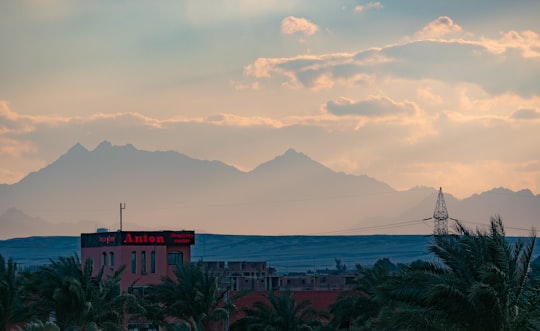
column 257, row 276
column 147, row 255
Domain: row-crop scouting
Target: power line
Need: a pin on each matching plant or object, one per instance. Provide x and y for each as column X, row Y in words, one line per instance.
column 372, row 227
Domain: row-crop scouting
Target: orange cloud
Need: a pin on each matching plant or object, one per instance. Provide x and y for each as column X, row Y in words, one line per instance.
column 15, row 148
column 369, row 5
column 15, row 122
column 374, row 107
column 242, row 121
column 291, row 25
column 528, row 42
column 526, row 114
column 315, row 71
column 426, row 93
column 129, row 116
column 440, row 27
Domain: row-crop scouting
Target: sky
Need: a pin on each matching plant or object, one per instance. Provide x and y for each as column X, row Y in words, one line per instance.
column 412, row 93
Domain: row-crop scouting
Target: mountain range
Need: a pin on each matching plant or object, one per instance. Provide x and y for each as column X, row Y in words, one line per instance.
column 291, row 194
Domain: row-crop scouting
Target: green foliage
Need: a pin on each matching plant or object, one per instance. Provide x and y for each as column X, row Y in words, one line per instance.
column 478, row 280
column 480, row 283
column 341, row 268
column 11, row 307
column 78, row 300
column 39, row 326
column 362, row 305
column 194, row 297
column 279, row 313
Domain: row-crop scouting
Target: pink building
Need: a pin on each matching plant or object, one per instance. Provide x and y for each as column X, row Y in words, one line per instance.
column 147, row 255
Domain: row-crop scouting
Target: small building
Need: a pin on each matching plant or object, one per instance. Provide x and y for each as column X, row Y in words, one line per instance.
column 147, row 255
column 244, row 275
column 316, row 281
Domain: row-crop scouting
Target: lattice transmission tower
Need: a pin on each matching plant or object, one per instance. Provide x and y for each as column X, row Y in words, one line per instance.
column 440, row 215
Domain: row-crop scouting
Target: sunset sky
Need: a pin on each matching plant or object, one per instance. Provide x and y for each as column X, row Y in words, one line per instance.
column 428, row 93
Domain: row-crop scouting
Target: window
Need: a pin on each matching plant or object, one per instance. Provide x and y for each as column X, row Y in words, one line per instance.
column 103, row 259
column 175, row 258
column 133, row 262
column 143, row 262
column 153, row 262
column 111, row 257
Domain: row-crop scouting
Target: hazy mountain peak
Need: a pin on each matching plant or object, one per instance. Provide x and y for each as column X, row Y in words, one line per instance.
column 107, row 148
column 292, row 152
column 503, row 191
column 13, row 213
column 290, row 161
column 77, row 148
column 104, row 145
column 79, row 188
column 76, row 152
column 500, row 190
column 525, row 192
column 496, row 191
column 292, row 155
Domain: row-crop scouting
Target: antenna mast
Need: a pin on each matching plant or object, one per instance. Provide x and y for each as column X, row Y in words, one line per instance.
column 440, row 215
column 122, row 207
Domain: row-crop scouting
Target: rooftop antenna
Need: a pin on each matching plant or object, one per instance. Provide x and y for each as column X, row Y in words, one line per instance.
column 122, row 207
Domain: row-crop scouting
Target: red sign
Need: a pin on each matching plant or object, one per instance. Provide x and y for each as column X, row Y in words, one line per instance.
column 107, row 239
column 138, row 238
column 158, row 238
column 143, row 239
column 182, row 237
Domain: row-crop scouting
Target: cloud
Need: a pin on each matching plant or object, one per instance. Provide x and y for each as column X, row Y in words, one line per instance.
column 526, row 42
column 15, row 148
column 426, row 93
column 509, row 64
column 158, row 86
column 369, row 5
column 291, row 25
column 526, row 114
column 123, row 118
column 13, row 123
column 242, row 121
column 531, row 166
column 328, row 136
column 317, row 71
column 440, row 27
column 371, row 107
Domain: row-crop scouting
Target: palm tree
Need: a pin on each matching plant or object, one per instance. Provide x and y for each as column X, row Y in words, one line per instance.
column 78, row 300
column 39, row 326
column 11, row 307
column 360, row 307
column 479, row 283
column 193, row 298
column 110, row 305
column 279, row 313
column 59, row 289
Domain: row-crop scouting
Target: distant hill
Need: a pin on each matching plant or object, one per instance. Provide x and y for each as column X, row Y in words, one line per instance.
column 285, row 253
column 16, row 224
column 291, row 194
